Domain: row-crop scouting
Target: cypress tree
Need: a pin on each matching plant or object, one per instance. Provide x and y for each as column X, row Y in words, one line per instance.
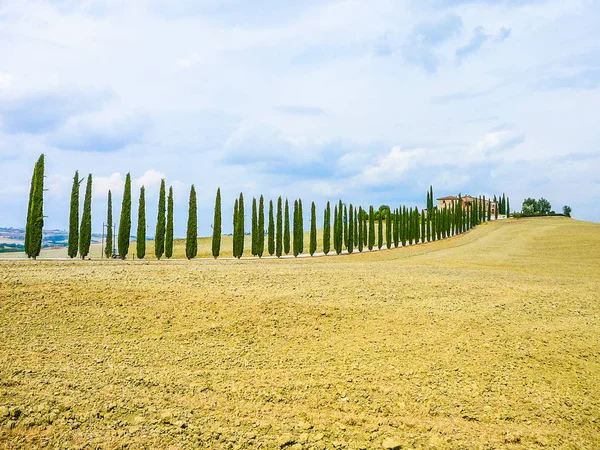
column 417, row 226
column 431, row 198
column 108, row 250
column 351, row 229
column 345, row 223
column 242, row 228
column 507, row 207
column 286, row 229
column 313, row 229
column 388, row 228
column 301, row 227
column 395, row 232
column 279, row 229
column 496, row 209
column 85, row 231
column 335, row 230
column 380, row 230
column 261, row 227
column 296, row 228
column 360, row 228
column 141, row 228
column 159, row 235
column 489, row 210
column 254, row 228
column 355, row 236
column 191, row 244
column 423, row 225
column 74, row 218
column 327, row 229
column 235, row 229
column 483, row 210
column 371, row 228
column 216, row 237
column 271, row 246
column 35, row 211
column 125, row 222
column 169, row 233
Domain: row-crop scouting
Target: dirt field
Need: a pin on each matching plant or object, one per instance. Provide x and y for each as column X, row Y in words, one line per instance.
column 486, row 340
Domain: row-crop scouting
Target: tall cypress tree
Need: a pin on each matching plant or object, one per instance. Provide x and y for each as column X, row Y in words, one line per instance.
column 108, row 250
column 159, row 235
column 216, row 237
column 169, row 233
column 301, row 226
column 380, row 230
column 496, row 208
column 345, row 226
column 351, row 229
column 355, row 235
column 125, row 221
column 191, row 243
column 360, row 229
column 327, row 229
column 242, row 227
column 388, row 228
column 261, row 227
column 254, row 228
column 235, row 239
column 271, row 246
column 423, row 225
column 286, row 229
column 507, row 207
column 483, row 210
column 85, row 231
column 371, row 228
column 296, row 228
column 74, row 218
column 431, row 198
column 340, row 225
column 279, row 229
column 313, row 229
column 417, row 226
column 141, row 228
column 489, row 210
column 335, row 229
column 35, row 211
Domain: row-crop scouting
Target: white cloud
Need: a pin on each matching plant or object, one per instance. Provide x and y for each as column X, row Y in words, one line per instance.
column 115, row 183
column 6, row 80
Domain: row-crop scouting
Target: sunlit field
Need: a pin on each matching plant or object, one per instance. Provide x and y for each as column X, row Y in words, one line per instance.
column 485, row 340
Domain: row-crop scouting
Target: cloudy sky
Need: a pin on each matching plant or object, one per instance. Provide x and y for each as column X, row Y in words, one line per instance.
column 371, row 101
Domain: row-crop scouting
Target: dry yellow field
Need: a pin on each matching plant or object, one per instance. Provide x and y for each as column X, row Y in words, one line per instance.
column 486, row 340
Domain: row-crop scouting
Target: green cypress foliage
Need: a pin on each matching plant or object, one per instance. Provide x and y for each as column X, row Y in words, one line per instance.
column 279, row 229
column 286, row 229
column 108, row 249
column 327, row 229
column 417, row 226
column 301, row 226
column 380, row 230
column 35, row 211
column 296, row 230
column 235, row 240
column 313, row 229
column 360, row 229
column 159, row 235
column 141, row 227
column 483, row 210
column 388, row 228
column 496, row 210
column 85, row 231
column 431, row 198
column 423, row 225
column 351, row 229
column 242, row 228
column 507, row 207
column 169, row 233
column 254, row 228
column 74, row 218
column 355, row 235
column 191, row 242
column 371, row 228
column 365, row 229
column 489, row 211
column 345, row 222
column 271, row 237
column 216, row 237
column 261, row 228
column 335, row 229
column 125, row 221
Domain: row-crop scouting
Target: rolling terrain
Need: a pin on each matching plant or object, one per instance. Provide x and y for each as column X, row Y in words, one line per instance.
column 484, row 340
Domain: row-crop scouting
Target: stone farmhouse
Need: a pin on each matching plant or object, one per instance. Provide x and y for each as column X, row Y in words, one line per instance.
column 467, row 200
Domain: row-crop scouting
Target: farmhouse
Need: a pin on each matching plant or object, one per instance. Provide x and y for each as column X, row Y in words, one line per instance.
column 467, row 200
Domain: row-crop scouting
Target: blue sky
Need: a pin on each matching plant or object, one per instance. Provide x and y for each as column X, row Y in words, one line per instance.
column 368, row 101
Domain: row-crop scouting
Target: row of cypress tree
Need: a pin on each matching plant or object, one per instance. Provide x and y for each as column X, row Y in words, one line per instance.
column 353, row 227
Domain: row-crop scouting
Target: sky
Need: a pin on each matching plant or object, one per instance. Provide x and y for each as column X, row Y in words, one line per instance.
column 368, row 101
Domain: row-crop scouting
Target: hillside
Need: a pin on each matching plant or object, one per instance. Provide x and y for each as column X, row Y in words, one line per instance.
column 485, row 340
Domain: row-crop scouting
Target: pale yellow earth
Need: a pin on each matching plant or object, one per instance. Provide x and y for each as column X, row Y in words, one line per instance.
column 486, row 340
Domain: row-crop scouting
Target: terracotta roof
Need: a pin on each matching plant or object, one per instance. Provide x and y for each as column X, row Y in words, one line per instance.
column 449, row 197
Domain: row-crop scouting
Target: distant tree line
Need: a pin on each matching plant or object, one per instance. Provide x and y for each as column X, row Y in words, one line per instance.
column 352, row 228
